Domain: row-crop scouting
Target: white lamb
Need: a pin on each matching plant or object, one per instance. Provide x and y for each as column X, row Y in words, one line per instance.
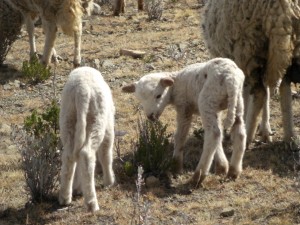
column 64, row 13
column 206, row 89
column 87, row 131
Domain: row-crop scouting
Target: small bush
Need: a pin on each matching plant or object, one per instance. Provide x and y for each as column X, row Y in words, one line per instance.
column 154, row 9
column 34, row 71
column 153, row 149
column 39, row 144
column 11, row 22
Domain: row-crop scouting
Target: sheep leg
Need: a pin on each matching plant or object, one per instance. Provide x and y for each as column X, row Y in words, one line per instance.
column 30, row 29
column 184, row 120
column 257, row 100
column 212, row 141
column 76, row 183
column 105, row 157
column 119, row 6
column 50, row 32
column 77, row 50
column 66, row 177
column 140, row 5
column 221, row 162
column 265, row 128
column 238, row 137
column 286, row 109
column 87, row 164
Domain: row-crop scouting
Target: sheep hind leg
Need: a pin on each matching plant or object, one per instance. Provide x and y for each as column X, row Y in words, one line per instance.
column 238, row 137
column 66, row 177
column 105, row 157
column 87, row 164
column 254, row 108
column 221, row 162
column 286, row 109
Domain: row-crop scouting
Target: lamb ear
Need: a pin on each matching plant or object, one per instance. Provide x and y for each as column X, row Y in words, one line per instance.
column 166, row 81
column 129, row 88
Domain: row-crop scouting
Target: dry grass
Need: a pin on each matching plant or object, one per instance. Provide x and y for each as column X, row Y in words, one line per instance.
column 266, row 193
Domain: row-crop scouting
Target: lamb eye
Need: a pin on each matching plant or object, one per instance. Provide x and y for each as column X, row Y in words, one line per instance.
column 158, row 96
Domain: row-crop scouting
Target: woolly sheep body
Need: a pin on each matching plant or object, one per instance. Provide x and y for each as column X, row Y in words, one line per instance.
column 64, row 13
column 87, row 131
column 205, row 89
column 262, row 37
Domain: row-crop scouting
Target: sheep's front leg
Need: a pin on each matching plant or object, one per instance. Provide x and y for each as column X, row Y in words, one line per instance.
column 77, row 50
column 265, row 128
column 286, row 109
column 30, row 29
column 184, row 119
column 257, row 100
column 50, row 32
column 212, row 141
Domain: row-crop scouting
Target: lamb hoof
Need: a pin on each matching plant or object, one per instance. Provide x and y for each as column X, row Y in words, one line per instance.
column 221, row 169
column 176, row 167
column 196, row 181
column 233, row 174
column 64, row 201
column 92, row 206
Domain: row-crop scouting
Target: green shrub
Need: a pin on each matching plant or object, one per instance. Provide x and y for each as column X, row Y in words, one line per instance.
column 153, row 149
column 35, row 72
column 39, row 145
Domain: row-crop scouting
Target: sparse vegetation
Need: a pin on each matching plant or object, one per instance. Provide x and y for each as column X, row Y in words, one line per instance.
column 35, row 72
column 152, row 149
column 154, row 9
column 10, row 26
column 39, row 145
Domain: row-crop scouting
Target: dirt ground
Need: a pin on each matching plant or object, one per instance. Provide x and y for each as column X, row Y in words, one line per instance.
column 266, row 193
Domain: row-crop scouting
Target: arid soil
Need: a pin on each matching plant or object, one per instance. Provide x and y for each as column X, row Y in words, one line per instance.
column 266, row 193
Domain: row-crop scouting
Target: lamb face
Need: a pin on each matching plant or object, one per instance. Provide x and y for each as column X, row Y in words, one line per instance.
column 153, row 93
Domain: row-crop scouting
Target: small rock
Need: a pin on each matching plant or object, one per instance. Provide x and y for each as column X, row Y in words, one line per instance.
column 149, row 67
column 152, row 181
column 17, row 83
column 227, row 212
column 6, row 87
column 96, row 63
column 107, row 64
column 133, row 53
column 5, row 129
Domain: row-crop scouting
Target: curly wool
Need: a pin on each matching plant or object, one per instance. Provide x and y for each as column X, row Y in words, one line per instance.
column 256, row 34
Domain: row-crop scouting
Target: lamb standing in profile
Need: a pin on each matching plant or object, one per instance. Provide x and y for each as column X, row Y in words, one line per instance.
column 64, row 13
column 263, row 38
column 87, row 131
column 205, row 89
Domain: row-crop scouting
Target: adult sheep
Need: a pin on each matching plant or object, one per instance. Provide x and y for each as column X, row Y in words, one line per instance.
column 64, row 13
column 119, row 6
column 263, row 38
column 206, row 89
column 86, row 123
